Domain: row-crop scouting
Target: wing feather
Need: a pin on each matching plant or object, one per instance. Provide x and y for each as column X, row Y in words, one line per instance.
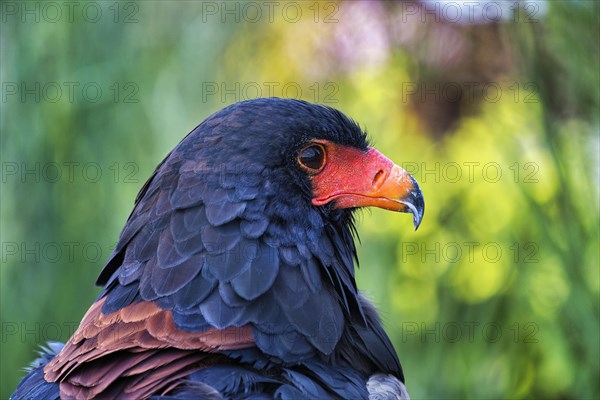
column 140, row 342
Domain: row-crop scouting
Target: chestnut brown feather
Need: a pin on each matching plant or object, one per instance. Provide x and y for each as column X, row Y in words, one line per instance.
column 135, row 352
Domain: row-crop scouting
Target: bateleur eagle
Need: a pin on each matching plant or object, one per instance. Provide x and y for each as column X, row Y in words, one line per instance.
column 234, row 275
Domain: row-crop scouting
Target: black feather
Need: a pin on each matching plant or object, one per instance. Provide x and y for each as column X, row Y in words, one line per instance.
column 261, row 274
column 34, row 386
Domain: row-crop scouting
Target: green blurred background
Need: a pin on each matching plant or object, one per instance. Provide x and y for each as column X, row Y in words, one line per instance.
column 493, row 107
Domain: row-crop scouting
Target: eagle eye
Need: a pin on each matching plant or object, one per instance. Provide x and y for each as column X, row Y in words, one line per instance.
column 312, row 158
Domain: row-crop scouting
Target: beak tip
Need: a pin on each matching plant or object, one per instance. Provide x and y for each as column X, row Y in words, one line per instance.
column 417, row 218
column 416, row 223
column 418, row 204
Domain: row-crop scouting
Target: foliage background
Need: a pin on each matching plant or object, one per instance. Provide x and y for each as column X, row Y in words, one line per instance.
column 496, row 295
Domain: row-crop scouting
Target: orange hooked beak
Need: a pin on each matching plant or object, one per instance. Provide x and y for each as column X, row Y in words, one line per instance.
column 353, row 178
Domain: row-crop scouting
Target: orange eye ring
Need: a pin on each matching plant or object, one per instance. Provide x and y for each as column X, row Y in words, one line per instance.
column 313, row 158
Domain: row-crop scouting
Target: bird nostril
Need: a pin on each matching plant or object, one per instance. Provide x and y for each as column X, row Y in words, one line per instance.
column 378, row 179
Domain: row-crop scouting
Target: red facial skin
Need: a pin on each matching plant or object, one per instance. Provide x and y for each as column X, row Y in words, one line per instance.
column 354, row 178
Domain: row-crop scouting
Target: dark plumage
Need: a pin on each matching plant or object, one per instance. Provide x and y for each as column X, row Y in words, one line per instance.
column 228, row 281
